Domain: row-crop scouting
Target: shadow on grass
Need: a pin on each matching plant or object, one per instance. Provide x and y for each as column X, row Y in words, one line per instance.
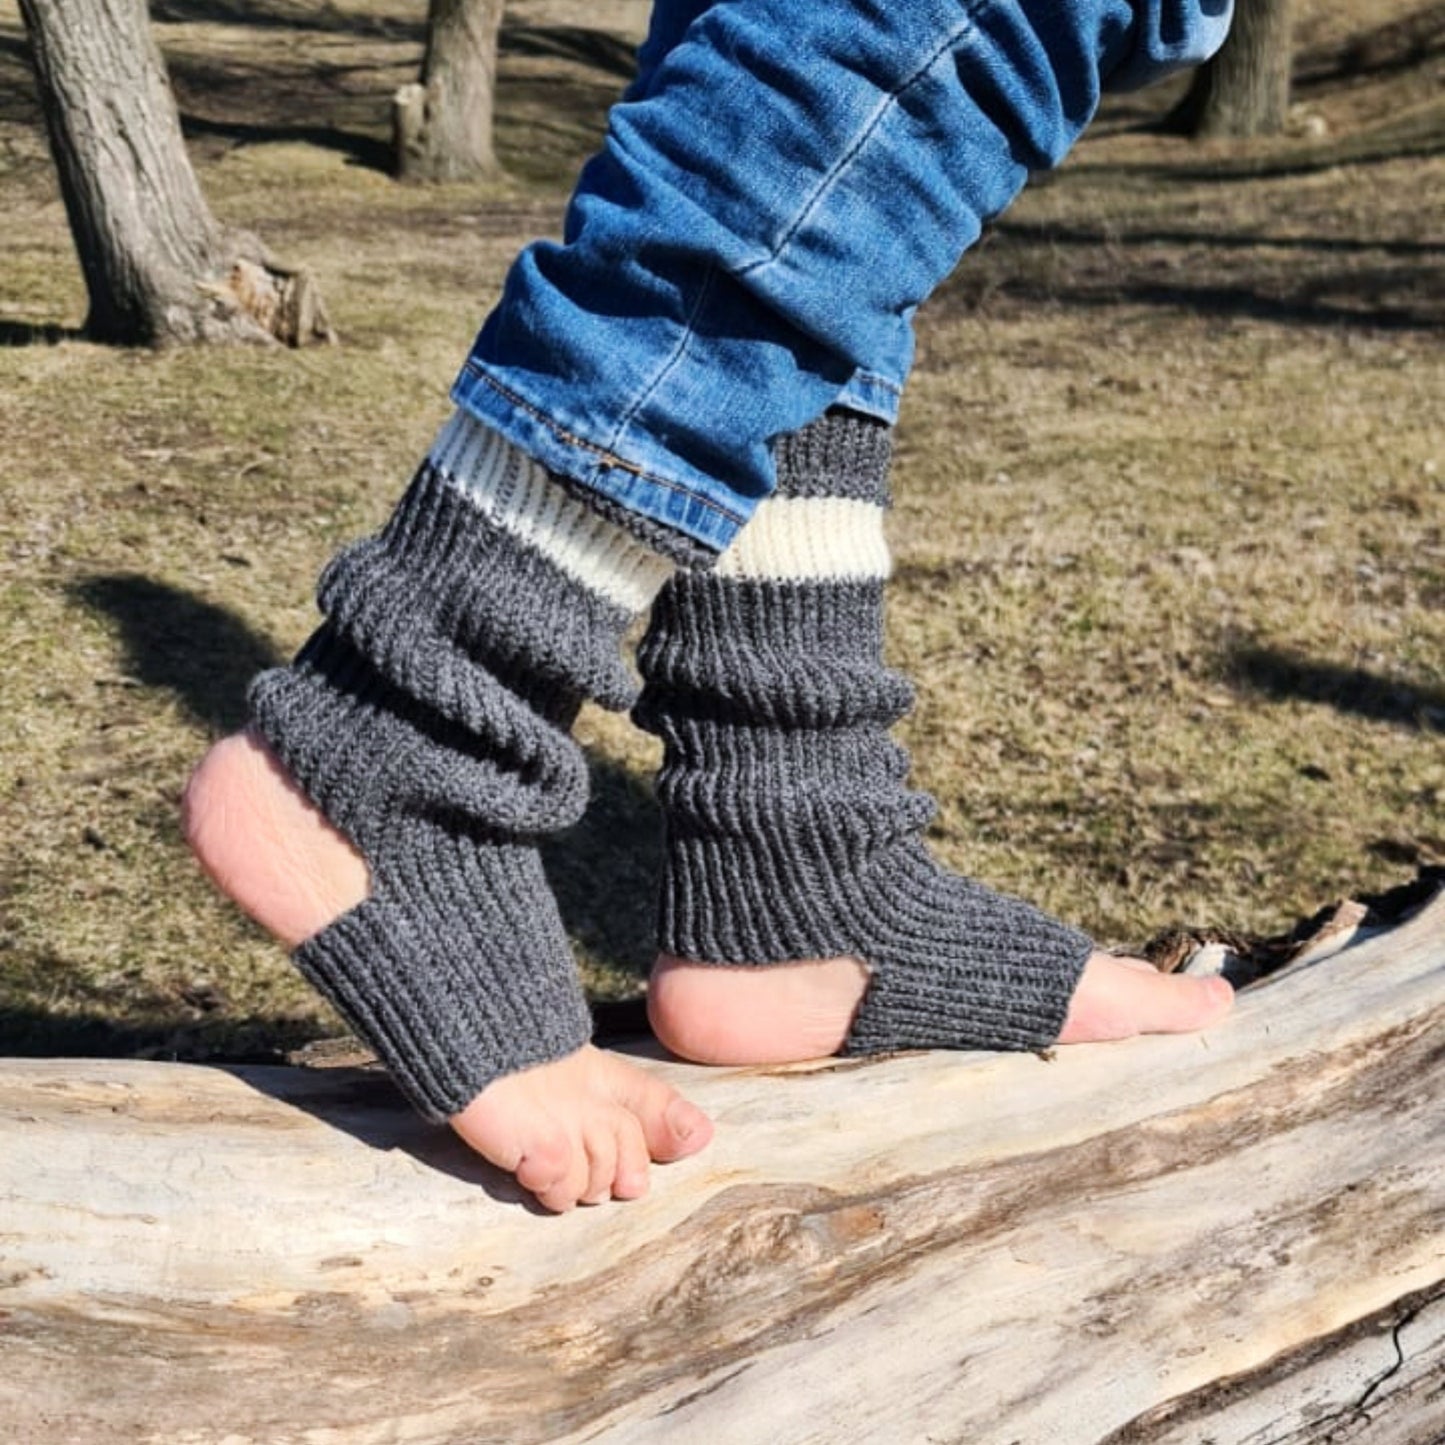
column 170, row 1034
column 1208, row 274
column 167, row 1032
column 1389, row 48
column 323, row 19
column 30, row 333
column 604, row 872
column 201, row 654
column 1110, row 239
column 1283, row 676
column 1348, row 299
column 345, row 108
column 599, row 49
column 1413, row 136
column 596, row 49
column 362, row 150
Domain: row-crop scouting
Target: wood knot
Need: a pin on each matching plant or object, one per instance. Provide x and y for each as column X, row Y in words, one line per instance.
column 756, row 1256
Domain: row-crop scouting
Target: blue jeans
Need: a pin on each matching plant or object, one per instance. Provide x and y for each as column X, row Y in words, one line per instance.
column 780, row 188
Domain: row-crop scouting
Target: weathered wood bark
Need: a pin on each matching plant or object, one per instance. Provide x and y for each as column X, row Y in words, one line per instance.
column 442, row 125
column 1237, row 1237
column 158, row 267
column 1244, row 91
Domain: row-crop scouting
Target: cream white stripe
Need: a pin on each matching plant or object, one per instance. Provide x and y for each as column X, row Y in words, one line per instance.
column 810, row 539
column 514, row 492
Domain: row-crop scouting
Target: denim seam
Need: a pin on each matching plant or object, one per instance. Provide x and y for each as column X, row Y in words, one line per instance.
column 877, row 379
column 678, row 352
column 885, row 107
column 605, row 457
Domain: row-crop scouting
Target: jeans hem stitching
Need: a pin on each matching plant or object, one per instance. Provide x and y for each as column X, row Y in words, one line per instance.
column 603, row 454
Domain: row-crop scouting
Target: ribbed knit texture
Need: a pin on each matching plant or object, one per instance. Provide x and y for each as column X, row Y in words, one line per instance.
column 429, row 720
column 791, row 832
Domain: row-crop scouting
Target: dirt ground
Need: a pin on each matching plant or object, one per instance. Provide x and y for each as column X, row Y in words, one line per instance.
column 1170, row 527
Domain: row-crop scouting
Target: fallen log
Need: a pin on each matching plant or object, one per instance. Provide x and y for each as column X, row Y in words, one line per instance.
column 1234, row 1237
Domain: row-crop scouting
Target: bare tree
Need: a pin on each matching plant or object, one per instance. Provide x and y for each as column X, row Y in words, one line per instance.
column 1244, row 90
column 443, row 123
column 158, row 267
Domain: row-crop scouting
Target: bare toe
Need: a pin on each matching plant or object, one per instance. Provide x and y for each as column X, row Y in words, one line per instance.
column 672, row 1128
column 632, row 1158
column 554, row 1168
column 582, row 1128
column 600, row 1141
column 1116, row 999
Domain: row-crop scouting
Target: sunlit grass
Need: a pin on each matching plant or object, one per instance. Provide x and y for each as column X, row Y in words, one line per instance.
column 1170, row 530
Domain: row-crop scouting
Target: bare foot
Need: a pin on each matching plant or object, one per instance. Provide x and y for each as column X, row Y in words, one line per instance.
column 578, row 1130
column 264, row 843
column 1120, row 997
column 789, row 1012
column 582, row 1129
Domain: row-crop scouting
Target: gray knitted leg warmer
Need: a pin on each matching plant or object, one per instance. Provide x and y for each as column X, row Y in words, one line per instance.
column 429, row 721
column 790, row 831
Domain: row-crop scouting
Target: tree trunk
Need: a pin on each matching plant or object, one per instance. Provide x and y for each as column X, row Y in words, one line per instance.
column 1244, row 90
column 158, row 267
column 1235, row 1237
column 442, row 124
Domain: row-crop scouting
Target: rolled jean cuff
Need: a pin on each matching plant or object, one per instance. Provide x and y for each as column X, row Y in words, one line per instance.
column 653, row 485
column 872, row 395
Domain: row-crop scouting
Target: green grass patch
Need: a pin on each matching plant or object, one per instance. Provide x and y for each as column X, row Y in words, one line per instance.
column 1170, row 521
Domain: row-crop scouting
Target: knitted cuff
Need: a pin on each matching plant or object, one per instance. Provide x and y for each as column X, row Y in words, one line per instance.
column 956, row 965
column 428, row 719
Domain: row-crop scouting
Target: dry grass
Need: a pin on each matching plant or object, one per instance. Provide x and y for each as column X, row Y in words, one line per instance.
column 1170, row 529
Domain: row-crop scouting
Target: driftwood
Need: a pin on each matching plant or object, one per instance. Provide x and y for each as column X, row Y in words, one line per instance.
column 1236, row 1237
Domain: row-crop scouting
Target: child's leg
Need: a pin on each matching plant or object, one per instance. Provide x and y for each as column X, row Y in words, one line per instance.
column 758, row 229
column 792, row 835
column 381, row 817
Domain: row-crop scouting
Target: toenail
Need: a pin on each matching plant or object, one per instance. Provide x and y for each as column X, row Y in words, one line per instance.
column 682, row 1118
